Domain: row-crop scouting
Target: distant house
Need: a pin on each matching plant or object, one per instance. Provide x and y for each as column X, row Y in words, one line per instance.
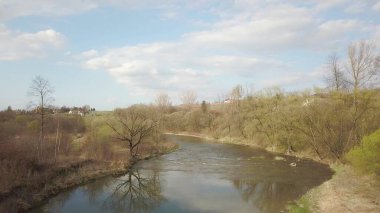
column 75, row 112
column 226, row 101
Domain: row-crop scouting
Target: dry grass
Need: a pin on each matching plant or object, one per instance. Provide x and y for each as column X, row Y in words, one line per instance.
column 347, row 192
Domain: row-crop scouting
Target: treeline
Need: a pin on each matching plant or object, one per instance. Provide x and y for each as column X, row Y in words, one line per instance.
column 325, row 122
column 328, row 124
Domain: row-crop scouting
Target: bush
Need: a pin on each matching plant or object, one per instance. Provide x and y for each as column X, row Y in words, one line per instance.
column 366, row 157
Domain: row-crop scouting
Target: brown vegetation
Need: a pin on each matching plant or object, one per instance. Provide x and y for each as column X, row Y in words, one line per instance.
column 349, row 191
column 76, row 149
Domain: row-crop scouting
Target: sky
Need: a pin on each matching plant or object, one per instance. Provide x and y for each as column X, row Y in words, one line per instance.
column 114, row 53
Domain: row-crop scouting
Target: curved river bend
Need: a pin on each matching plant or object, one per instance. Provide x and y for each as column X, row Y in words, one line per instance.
column 200, row 176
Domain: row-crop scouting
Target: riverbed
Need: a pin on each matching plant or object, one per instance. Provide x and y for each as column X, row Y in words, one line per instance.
column 201, row 176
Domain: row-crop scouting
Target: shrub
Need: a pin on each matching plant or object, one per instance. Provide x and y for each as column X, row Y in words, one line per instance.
column 366, row 157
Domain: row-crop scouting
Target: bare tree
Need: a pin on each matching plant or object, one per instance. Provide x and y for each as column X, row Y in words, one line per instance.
column 163, row 102
column 363, row 67
column 133, row 126
column 236, row 92
column 235, row 96
column 188, row 98
column 42, row 91
column 335, row 77
column 362, row 72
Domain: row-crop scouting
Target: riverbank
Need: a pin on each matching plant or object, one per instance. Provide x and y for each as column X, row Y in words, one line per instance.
column 64, row 176
column 346, row 191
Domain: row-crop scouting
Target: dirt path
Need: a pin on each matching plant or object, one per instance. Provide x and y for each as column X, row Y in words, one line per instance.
column 347, row 192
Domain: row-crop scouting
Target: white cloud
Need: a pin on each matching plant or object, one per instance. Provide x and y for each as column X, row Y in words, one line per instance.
column 170, row 15
column 271, row 29
column 17, row 45
column 376, row 37
column 356, row 7
column 328, row 4
column 18, row 8
column 278, row 27
column 10, row 9
column 87, row 54
column 283, row 81
column 237, row 47
column 334, row 33
column 376, row 6
column 174, row 67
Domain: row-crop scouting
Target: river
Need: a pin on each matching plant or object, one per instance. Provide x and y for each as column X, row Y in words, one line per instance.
column 201, row 176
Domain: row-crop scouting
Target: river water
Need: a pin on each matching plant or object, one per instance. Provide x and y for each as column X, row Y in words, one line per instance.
column 201, row 176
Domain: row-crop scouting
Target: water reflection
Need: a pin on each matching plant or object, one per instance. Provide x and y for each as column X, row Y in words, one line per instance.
column 199, row 177
column 266, row 196
column 135, row 193
column 95, row 190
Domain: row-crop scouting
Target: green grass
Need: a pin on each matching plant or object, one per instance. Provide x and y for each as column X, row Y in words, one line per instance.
column 301, row 206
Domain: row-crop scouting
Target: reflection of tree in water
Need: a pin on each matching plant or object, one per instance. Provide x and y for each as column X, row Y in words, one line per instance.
column 135, row 193
column 57, row 203
column 97, row 188
column 267, row 196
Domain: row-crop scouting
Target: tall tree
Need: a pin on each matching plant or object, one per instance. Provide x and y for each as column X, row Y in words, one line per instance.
column 42, row 91
column 363, row 72
column 235, row 96
column 363, row 67
column 133, row 126
column 335, row 77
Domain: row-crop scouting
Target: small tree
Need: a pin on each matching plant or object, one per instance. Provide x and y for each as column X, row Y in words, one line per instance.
column 235, row 96
column 204, row 107
column 42, row 91
column 9, row 109
column 335, row 77
column 188, row 99
column 163, row 102
column 133, row 126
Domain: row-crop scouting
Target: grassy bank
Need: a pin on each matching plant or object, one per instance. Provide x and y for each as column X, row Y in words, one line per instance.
column 347, row 191
column 63, row 175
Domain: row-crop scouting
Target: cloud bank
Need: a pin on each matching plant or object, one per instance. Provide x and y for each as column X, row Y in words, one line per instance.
column 19, row 45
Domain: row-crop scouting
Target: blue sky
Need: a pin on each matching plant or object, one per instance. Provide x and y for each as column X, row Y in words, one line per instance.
column 114, row 53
